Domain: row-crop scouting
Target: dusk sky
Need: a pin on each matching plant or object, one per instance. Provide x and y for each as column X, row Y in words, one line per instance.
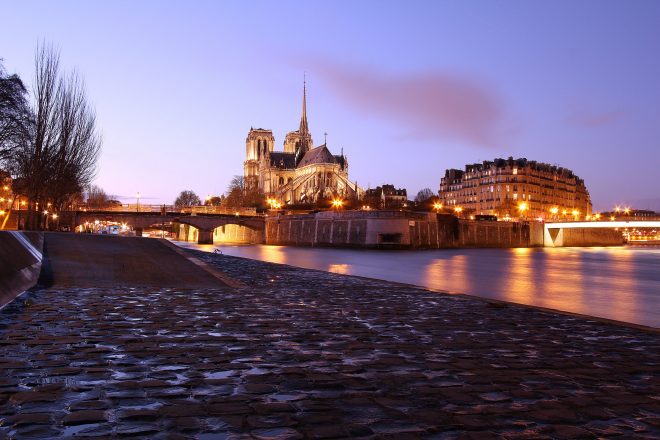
column 407, row 89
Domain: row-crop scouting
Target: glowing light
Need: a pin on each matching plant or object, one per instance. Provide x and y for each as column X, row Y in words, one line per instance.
column 337, row 203
column 554, row 210
column 437, row 206
column 45, row 212
column 2, row 212
column 612, row 218
column 522, row 207
column 626, row 211
column 458, row 209
column 54, row 216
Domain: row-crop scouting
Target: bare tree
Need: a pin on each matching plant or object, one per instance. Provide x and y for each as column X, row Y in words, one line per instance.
column 60, row 158
column 187, row 198
column 214, row 200
column 424, row 194
column 96, row 197
column 236, row 192
column 240, row 195
column 14, row 116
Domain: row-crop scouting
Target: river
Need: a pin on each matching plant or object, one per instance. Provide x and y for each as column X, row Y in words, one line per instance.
column 620, row 283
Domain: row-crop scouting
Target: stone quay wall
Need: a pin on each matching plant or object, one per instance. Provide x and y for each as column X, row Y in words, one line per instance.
column 392, row 230
column 584, row 237
column 20, row 263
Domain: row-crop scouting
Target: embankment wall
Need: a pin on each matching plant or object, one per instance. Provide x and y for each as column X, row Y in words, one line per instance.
column 392, row 229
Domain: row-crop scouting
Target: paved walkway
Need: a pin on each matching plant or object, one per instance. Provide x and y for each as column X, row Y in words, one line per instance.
column 304, row 354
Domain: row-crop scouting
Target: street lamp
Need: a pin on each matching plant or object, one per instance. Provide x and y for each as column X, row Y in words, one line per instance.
column 337, row 203
column 437, row 206
column 522, row 207
column 137, row 206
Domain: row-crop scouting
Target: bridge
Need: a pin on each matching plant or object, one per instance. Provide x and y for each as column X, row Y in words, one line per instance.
column 205, row 225
column 557, row 234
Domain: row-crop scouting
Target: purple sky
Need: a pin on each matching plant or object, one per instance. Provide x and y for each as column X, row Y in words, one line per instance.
column 408, row 89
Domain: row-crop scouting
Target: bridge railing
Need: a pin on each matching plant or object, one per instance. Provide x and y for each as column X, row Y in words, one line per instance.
column 134, row 207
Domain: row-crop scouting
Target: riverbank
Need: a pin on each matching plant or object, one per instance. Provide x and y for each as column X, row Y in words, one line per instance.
column 297, row 353
column 617, row 283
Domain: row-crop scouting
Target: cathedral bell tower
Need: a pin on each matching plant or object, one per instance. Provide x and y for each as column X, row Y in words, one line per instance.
column 258, row 145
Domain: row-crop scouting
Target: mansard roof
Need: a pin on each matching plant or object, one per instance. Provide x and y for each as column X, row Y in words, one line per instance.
column 320, row 154
column 282, row 160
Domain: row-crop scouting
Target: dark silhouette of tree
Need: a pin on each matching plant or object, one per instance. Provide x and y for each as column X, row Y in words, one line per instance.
column 423, row 195
column 186, row 199
column 238, row 195
column 59, row 158
column 96, row 198
column 15, row 117
column 214, row 201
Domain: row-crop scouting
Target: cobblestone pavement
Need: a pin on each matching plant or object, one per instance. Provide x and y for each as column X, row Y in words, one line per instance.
column 305, row 354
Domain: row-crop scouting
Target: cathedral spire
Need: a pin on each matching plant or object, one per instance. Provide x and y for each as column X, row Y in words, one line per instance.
column 304, row 129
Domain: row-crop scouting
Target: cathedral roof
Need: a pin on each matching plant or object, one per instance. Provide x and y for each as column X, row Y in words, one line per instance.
column 319, row 154
column 282, row 160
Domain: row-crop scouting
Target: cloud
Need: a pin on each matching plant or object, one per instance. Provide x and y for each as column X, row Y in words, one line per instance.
column 594, row 120
column 425, row 105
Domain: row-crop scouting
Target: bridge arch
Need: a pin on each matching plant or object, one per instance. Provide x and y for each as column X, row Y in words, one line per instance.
column 219, row 230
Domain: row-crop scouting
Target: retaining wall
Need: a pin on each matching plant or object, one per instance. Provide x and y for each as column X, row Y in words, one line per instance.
column 392, row 229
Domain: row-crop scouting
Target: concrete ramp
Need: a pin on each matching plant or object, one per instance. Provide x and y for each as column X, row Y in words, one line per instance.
column 20, row 263
column 80, row 260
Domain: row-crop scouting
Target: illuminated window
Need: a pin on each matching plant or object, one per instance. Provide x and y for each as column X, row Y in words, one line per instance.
column 515, row 196
column 515, row 171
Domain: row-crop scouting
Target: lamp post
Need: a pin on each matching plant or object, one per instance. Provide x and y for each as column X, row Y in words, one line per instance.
column 137, row 205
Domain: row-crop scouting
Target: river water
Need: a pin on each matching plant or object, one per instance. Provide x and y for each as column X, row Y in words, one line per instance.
column 621, row 283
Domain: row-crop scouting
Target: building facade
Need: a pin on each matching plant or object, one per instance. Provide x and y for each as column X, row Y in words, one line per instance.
column 386, row 196
column 516, row 188
column 301, row 173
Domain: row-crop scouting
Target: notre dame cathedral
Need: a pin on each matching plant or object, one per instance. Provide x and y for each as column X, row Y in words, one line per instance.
column 301, row 173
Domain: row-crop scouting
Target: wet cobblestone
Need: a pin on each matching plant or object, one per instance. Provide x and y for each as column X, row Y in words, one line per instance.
column 302, row 354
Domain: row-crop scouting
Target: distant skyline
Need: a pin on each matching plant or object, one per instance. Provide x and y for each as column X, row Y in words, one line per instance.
column 406, row 89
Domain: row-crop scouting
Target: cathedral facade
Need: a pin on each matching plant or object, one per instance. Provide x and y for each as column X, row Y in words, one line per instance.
column 301, row 173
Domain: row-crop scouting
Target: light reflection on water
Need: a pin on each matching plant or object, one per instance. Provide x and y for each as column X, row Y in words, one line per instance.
column 621, row 283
